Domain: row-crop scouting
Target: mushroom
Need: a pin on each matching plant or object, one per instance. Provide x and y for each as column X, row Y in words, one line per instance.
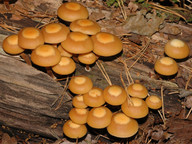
column 94, row 98
column 99, row 117
column 153, row 102
column 137, row 90
column 85, row 26
column 71, row 11
column 177, row 49
column 114, row 95
column 122, row 126
column 78, row 115
column 78, row 101
column 166, row 66
column 80, row 84
column 63, row 52
column 74, row 130
column 135, row 108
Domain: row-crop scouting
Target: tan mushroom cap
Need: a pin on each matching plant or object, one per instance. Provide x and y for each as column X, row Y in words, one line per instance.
column 80, row 84
column 30, row 38
column 45, row 55
column 55, row 33
column 77, row 43
column 122, row 126
column 78, row 115
column 85, row 26
column 94, row 98
column 114, row 95
column 153, row 102
column 177, row 49
column 99, row 117
column 73, row 130
column 10, row 45
column 64, row 52
column 137, row 109
column 78, row 102
column 106, row 44
column 166, row 66
column 137, row 90
column 87, row 58
column 71, row 11
column 65, row 66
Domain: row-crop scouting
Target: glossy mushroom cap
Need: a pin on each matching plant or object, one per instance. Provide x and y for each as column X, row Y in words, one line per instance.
column 99, row 117
column 94, row 98
column 71, row 11
column 64, row 52
column 114, row 95
column 137, row 90
column 80, row 84
column 87, row 58
column 78, row 102
column 106, row 44
column 85, row 26
column 77, row 43
column 65, row 66
column 78, row 115
column 45, row 55
column 55, row 33
column 137, row 109
column 73, row 130
column 30, row 38
column 122, row 126
column 177, row 49
column 10, row 45
column 166, row 66
column 153, row 102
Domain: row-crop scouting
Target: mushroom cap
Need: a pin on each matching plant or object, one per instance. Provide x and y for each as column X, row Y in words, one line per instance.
column 55, row 33
column 137, row 109
column 85, row 26
column 73, row 130
column 87, row 58
column 78, row 115
column 65, row 66
column 177, row 49
column 99, row 117
column 114, row 95
column 78, row 102
column 153, row 102
column 45, row 55
column 71, row 11
column 80, row 84
column 30, row 38
column 77, row 43
column 122, row 126
column 137, row 90
column 166, row 66
column 64, row 52
column 10, row 45
column 94, row 98
column 106, row 44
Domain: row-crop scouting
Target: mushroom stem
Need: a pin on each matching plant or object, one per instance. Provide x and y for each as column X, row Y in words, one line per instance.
column 50, row 72
column 87, row 68
column 26, row 58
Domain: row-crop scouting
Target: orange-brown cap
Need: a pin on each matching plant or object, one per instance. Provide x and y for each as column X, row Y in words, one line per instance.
column 74, row 130
column 106, row 44
column 87, row 58
column 137, row 90
column 78, row 101
column 85, row 26
column 166, row 66
column 55, row 33
column 77, row 43
column 177, row 49
column 64, row 52
column 71, row 11
column 78, row 115
column 10, row 45
column 80, row 84
column 30, row 38
column 45, row 55
column 153, row 102
column 122, row 126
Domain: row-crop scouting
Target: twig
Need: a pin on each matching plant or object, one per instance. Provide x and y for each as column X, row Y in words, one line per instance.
column 188, row 113
column 121, row 5
column 163, row 107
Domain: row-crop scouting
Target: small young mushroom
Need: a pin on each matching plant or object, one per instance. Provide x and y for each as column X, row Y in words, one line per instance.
column 122, row 126
column 71, row 11
column 137, row 90
column 78, row 115
column 78, row 102
column 166, row 66
column 177, row 49
column 153, row 102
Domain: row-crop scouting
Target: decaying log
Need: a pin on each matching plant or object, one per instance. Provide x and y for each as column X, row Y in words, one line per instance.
column 26, row 95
